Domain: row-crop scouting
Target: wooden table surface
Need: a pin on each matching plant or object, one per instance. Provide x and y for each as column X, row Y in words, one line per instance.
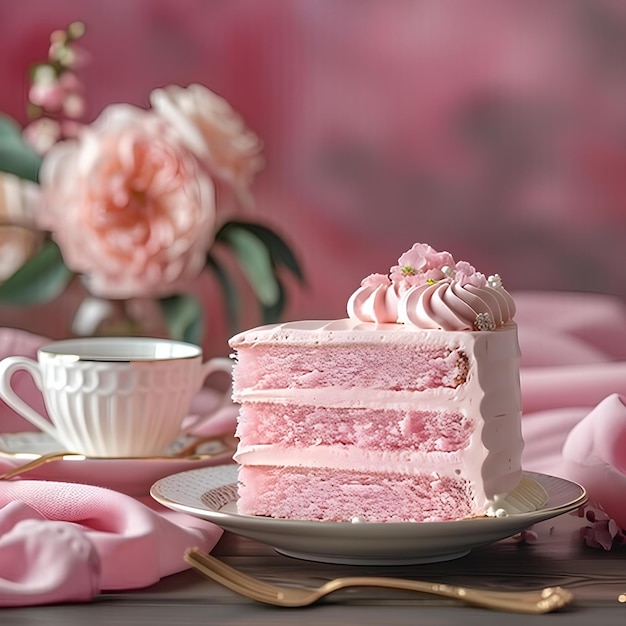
column 597, row 579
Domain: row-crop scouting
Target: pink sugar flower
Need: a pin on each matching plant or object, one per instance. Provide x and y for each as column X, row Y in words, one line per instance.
column 434, row 275
column 439, row 260
column 466, row 274
column 419, row 260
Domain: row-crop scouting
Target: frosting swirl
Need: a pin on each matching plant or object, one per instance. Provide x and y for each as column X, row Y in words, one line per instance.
column 427, row 289
column 448, row 305
column 375, row 301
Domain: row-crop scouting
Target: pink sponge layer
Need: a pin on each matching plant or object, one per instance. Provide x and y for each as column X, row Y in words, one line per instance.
column 397, row 368
column 375, row 429
column 329, row 495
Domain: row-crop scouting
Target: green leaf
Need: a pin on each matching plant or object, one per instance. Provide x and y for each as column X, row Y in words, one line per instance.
column 183, row 314
column 229, row 290
column 271, row 314
column 9, row 128
column 41, row 279
column 260, row 260
column 255, row 261
column 279, row 251
column 16, row 156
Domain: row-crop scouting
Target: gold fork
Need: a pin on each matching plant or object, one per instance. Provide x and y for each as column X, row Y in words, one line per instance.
column 534, row 602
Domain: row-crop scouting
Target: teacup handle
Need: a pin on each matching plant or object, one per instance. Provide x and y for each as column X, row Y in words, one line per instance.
column 9, row 366
column 210, row 367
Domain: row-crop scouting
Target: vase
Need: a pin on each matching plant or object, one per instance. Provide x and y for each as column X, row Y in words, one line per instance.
column 134, row 317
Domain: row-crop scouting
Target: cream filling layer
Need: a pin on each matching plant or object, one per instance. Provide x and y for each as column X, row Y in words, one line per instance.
column 352, row 458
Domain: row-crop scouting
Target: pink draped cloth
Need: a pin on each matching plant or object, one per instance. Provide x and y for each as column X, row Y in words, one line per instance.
column 573, row 379
column 61, row 542
column 68, row 542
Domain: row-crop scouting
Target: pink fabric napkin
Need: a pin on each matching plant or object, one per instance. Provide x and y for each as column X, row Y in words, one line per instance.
column 67, row 542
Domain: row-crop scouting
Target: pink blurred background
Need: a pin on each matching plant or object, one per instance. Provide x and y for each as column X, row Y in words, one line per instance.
column 495, row 129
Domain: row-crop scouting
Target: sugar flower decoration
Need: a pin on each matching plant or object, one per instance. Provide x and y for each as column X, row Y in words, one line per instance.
column 466, row 274
column 428, row 289
column 421, row 264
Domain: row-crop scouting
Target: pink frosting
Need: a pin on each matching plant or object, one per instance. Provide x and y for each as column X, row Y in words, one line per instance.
column 375, row 301
column 448, row 305
column 499, row 301
column 428, row 290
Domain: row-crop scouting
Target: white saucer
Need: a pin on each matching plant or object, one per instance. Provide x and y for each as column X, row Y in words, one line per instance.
column 132, row 476
column 211, row 494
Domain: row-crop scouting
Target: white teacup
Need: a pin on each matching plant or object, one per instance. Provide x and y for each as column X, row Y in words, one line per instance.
column 113, row 396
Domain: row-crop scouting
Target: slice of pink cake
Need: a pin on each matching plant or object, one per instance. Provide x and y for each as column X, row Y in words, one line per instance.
column 369, row 419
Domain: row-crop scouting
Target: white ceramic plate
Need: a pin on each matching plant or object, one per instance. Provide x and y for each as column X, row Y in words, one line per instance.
column 133, row 476
column 211, row 494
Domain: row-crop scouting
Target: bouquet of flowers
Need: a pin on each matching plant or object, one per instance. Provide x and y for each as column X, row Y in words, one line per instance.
column 136, row 203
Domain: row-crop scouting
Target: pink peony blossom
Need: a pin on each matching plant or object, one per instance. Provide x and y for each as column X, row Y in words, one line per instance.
column 214, row 132
column 129, row 205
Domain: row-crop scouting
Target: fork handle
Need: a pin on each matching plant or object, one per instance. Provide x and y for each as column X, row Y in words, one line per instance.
column 535, row 601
